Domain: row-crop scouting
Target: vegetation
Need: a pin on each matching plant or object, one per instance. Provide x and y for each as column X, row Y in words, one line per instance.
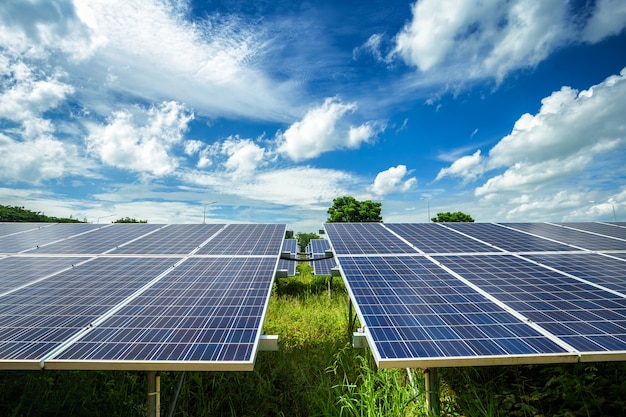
column 20, row 214
column 129, row 220
column 457, row 216
column 305, row 238
column 317, row 373
column 349, row 209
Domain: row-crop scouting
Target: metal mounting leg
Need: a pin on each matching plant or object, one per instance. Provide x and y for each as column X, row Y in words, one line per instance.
column 154, row 394
column 432, row 391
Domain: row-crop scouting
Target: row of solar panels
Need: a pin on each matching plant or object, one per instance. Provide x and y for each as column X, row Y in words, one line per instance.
column 317, row 249
column 456, row 294
column 134, row 296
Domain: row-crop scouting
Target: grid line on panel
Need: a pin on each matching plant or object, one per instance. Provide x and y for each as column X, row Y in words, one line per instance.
column 245, row 240
column 588, row 318
column 569, row 236
column 413, row 309
column 42, row 316
column 364, row 238
column 207, row 310
column 433, row 238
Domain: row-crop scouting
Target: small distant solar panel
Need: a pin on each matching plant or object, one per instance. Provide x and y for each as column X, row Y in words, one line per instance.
column 364, row 238
column 291, row 246
column 599, row 269
column 40, row 317
column 317, row 250
column 570, row 236
column 43, row 235
column 319, row 246
column 246, row 239
column 207, row 312
column 18, row 271
column 432, row 238
column 176, row 239
column 324, row 266
column 419, row 315
column 507, row 239
column 591, row 320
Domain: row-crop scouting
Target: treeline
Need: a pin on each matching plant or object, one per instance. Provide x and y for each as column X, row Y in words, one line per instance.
column 20, row 214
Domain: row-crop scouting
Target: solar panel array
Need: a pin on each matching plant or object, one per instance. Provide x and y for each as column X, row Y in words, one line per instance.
column 464, row 294
column 134, row 296
column 316, row 249
column 291, row 246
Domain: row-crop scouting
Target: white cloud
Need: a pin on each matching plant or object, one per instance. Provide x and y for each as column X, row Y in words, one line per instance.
column 474, row 39
column 609, row 18
column 244, row 156
column 322, row 130
column 392, row 181
column 141, row 141
column 563, row 139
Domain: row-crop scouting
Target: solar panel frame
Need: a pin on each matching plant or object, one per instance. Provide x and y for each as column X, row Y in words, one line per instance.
column 246, row 240
column 365, row 239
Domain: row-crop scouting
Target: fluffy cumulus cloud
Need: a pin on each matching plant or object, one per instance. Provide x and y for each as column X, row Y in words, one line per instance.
column 489, row 38
column 323, row 129
column 141, row 140
column 392, row 181
column 244, row 156
column 570, row 130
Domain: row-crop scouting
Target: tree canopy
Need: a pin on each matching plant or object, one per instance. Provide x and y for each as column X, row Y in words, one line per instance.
column 20, row 214
column 457, row 216
column 350, row 210
column 305, row 238
column 129, row 220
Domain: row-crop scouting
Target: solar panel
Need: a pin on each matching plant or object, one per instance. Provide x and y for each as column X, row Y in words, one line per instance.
column 324, row 266
column 18, row 271
column 364, row 238
column 13, row 228
column 432, row 238
column 205, row 314
column 578, row 238
column 32, row 238
column 605, row 229
column 291, row 246
column 507, row 239
column 246, row 239
column 418, row 315
column 187, row 237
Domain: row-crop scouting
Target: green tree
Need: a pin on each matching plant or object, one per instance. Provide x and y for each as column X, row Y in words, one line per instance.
column 457, row 216
column 21, row 214
column 304, row 239
column 129, row 220
column 349, row 210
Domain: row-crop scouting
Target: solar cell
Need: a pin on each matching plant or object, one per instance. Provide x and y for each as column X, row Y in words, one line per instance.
column 591, row 320
column 432, row 238
column 578, row 238
column 364, row 238
column 419, row 315
column 507, row 239
column 246, row 239
column 324, row 266
column 207, row 312
column 18, row 271
column 319, row 246
column 289, row 266
column 12, row 228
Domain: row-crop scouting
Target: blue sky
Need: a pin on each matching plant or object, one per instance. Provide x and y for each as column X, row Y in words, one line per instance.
column 264, row 111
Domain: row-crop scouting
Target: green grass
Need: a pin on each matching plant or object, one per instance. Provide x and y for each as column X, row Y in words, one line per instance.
column 318, row 373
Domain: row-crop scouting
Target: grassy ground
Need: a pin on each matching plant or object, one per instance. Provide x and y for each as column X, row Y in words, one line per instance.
column 317, row 373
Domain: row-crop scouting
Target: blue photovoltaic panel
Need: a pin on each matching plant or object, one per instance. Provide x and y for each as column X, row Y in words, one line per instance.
column 598, row 269
column 32, row 238
column 246, row 239
column 289, row 266
column 175, row 239
column 319, row 246
column 18, row 271
column 418, row 314
column 432, row 238
column 364, row 238
column 324, row 266
column 570, row 236
column 12, row 228
column 591, row 320
column 38, row 318
column 605, row 229
column 507, row 239
column 291, row 246
column 208, row 311
column 98, row 241
column 619, row 255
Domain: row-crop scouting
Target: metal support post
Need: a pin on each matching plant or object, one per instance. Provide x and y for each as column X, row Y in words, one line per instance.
column 432, row 391
column 154, row 394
